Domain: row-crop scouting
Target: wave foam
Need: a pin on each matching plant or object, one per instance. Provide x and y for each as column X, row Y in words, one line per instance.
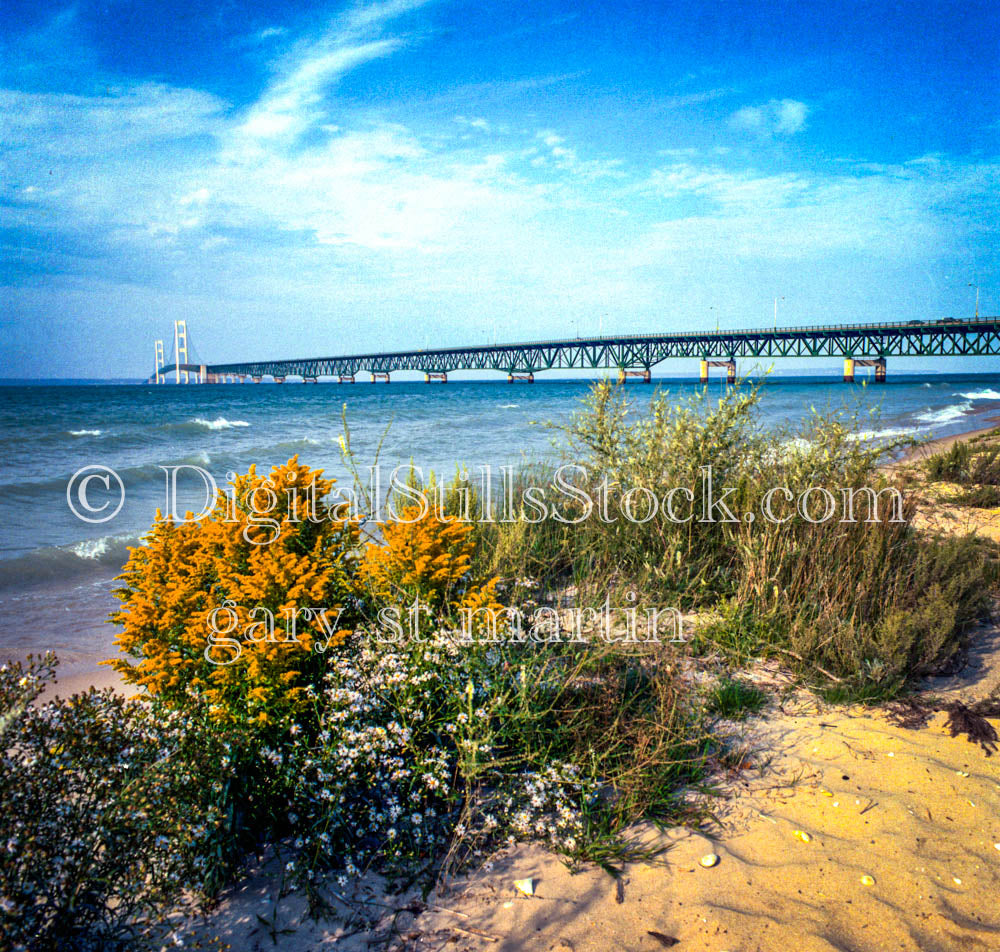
column 219, row 424
column 97, row 549
column 85, row 432
column 891, row 433
column 980, row 395
column 945, row 414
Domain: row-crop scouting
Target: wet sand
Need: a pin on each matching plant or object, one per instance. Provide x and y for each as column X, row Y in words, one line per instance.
column 943, row 443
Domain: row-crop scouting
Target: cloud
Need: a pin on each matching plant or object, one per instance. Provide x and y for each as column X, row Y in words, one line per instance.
column 293, row 101
column 899, row 212
column 62, row 126
column 478, row 123
column 779, row 117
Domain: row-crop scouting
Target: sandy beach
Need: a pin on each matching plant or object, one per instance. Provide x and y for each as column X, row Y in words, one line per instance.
column 914, row 809
column 941, row 443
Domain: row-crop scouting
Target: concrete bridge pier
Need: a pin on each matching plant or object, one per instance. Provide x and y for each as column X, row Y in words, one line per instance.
column 345, row 378
column 526, row 378
column 430, row 375
column 376, row 377
column 644, row 375
column 279, row 379
column 730, row 366
column 878, row 363
column 256, row 379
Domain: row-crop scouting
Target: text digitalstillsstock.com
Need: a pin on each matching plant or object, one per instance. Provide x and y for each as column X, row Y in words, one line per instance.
column 569, row 497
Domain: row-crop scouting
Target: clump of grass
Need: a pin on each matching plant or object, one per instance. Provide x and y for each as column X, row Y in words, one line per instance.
column 735, row 698
column 860, row 600
column 979, row 497
column 974, row 465
column 951, row 465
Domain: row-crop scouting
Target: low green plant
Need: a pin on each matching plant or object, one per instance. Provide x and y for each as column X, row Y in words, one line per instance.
column 979, row 497
column 968, row 463
column 735, row 698
column 952, row 465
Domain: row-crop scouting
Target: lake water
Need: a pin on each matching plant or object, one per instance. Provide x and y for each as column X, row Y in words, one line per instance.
column 56, row 570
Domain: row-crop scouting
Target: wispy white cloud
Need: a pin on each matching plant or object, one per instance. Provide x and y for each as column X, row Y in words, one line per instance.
column 779, row 117
column 293, row 102
column 66, row 126
column 893, row 212
column 477, row 123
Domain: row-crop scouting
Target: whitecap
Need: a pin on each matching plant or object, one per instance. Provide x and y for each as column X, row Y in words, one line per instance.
column 980, row 395
column 85, row 432
column 95, row 549
column 219, row 424
column 945, row 414
column 891, row 433
column 509, row 406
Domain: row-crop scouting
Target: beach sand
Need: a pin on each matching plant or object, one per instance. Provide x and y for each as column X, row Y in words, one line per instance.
column 916, row 810
column 942, row 443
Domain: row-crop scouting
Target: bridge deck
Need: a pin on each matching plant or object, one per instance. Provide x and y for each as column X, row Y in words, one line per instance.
column 948, row 337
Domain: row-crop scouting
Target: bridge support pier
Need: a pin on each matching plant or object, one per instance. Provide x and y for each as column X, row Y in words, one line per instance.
column 376, row 377
column 730, row 366
column 256, row 379
column 848, row 370
column 345, row 378
column 279, row 379
column 310, row 380
column 432, row 375
column 529, row 377
column 644, row 375
column 878, row 363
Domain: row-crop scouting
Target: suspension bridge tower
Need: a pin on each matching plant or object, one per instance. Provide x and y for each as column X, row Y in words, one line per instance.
column 158, row 375
column 181, row 349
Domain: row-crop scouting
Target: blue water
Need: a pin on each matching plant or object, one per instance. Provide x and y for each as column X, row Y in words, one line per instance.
column 56, row 571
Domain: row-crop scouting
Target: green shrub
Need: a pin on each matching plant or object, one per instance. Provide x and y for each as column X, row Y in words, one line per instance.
column 109, row 815
column 980, row 497
column 986, row 467
column 952, row 465
column 967, row 463
column 862, row 600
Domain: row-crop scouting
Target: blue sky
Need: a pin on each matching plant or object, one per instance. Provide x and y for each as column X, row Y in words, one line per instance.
column 298, row 180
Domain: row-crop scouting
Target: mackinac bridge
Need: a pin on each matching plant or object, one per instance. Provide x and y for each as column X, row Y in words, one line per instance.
column 632, row 355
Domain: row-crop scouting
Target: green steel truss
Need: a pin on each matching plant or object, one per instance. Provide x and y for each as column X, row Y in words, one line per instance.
column 976, row 337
